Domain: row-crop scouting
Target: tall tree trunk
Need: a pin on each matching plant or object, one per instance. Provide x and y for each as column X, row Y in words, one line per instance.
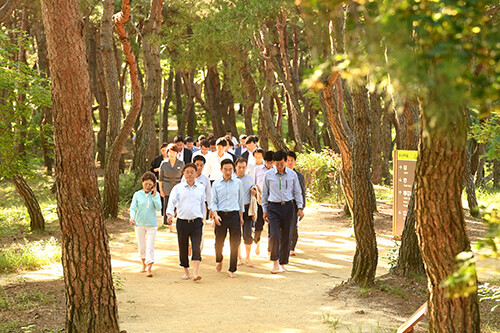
column 179, row 109
column 250, row 97
column 440, row 220
column 169, row 88
column 113, row 94
column 112, row 171
column 366, row 255
column 386, row 143
column 90, row 296
column 496, row 173
column 7, row 9
column 468, row 180
column 189, row 88
column 152, row 90
column 37, row 222
column 375, row 137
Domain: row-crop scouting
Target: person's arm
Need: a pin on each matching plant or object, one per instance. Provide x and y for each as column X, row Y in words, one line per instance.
column 202, row 201
column 241, row 202
column 208, row 194
column 172, row 203
column 156, row 200
column 265, row 196
column 297, row 195
column 133, row 209
column 215, row 206
column 160, row 181
column 302, row 182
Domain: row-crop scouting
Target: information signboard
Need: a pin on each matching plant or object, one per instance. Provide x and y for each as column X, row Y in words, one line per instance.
column 405, row 162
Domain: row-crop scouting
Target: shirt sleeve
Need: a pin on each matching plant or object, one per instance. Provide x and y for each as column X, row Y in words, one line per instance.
column 172, row 200
column 160, row 176
column 241, row 198
column 157, row 201
column 302, row 182
column 297, row 192
column 265, row 194
column 133, row 207
column 202, row 201
column 214, row 205
column 208, row 195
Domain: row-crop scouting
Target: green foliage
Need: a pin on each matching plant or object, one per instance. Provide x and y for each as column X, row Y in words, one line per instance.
column 393, row 253
column 127, row 188
column 486, row 291
column 488, row 132
column 322, row 175
column 30, row 255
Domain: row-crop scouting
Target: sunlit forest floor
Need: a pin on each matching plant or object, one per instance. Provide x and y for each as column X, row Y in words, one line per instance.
column 308, row 298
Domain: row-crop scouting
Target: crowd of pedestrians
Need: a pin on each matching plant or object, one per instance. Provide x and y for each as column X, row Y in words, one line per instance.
column 232, row 184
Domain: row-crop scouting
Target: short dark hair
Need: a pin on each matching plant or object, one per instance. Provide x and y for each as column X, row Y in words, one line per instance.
column 163, row 145
column 201, row 138
column 148, row 176
column 243, row 137
column 251, row 138
column 259, row 151
column 280, row 155
column 229, row 131
column 292, row 155
column 268, row 156
column 205, row 143
column 199, row 158
column 213, row 142
column 241, row 160
column 221, row 142
column 226, row 161
column 189, row 165
column 229, row 140
column 178, row 138
column 189, row 139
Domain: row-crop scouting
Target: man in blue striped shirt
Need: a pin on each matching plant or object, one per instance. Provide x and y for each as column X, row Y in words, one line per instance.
column 281, row 187
column 227, row 209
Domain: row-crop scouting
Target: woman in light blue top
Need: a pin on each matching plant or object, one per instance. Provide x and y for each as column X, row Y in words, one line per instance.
column 143, row 209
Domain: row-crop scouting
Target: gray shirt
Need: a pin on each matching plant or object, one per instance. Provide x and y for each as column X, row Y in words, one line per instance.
column 170, row 176
column 281, row 187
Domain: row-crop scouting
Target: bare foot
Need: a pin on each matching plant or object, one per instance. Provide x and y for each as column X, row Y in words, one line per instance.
column 143, row 270
column 240, row 262
column 149, row 274
column 232, row 275
column 257, row 249
column 249, row 263
column 283, row 268
column 189, row 251
column 185, row 277
column 292, row 253
column 218, row 267
column 276, row 269
column 197, row 278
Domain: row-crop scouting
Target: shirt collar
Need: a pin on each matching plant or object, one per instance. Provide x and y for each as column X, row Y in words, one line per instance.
column 275, row 168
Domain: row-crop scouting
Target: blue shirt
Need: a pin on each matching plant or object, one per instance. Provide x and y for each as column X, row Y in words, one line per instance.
column 143, row 208
column 189, row 200
column 247, row 182
column 227, row 196
column 203, row 180
column 278, row 188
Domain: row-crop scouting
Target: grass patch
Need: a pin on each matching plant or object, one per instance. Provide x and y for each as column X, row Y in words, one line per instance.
column 383, row 193
column 332, row 322
column 29, row 255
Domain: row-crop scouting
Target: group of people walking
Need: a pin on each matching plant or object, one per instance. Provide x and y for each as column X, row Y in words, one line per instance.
column 236, row 185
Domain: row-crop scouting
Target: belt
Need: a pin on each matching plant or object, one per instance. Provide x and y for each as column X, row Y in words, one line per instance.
column 282, row 203
column 227, row 213
column 190, row 221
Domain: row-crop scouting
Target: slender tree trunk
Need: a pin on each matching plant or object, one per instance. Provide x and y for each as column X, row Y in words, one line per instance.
column 90, row 297
column 250, row 98
column 366, row 256
column 468, row 181
column 112, row 171
column 152, row 90
column 179, row 109
column 386, row 143
column 375, row 138
column 169, row 87
column 480, row 172
column 7, row 9
column 188, row 79
column 440, row 222
column 496, row 173
column 37, row 222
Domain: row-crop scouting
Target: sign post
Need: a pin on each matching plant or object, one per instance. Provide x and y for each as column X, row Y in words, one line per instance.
column 405, row 162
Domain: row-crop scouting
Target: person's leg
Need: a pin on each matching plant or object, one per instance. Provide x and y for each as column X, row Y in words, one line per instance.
column 274, row 235
column 259, row 226
column 247, row 237
column 164, row 209
column 220, row 237
column 141, row 245
column 234, row 240
column 183, row 241
column 287, row 214
column 196, row 236
column 150, row 249
column 295, row 233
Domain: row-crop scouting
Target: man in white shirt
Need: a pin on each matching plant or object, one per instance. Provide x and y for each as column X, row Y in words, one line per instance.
column 233, row 139
column 251, row 143
column 212, row 167
column 204, row 151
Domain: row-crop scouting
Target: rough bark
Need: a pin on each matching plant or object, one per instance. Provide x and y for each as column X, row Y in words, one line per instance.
column 440, row 222
column 366, row 255
column 179, row 109
column 7, row 9
column 90, row 297
column 189, row 88
column 112, row 171
column 386, row 142
column 496, row 173
column 37, row 222
column 169, row 88
column 152, row 90
column 468, row 181
column 375, row 137
column 250, row 96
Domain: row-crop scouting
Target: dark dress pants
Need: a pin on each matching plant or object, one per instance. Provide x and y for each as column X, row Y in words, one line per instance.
column 259, row 224
column 280, row 230
column 230, row 221
column 247, row 228
column 185, row 231
column 295, row 231
column 164, row 209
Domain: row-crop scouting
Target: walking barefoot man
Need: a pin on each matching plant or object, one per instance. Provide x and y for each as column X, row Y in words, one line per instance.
column 189, row 199
column 227, row 209
column 281, row 188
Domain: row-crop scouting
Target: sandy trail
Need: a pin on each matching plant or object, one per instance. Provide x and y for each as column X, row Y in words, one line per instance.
column 256, row 301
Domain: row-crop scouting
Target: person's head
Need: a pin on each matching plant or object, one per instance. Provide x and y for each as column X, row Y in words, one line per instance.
column 172, row 151
column 204, row 146
column 213, row 145
column 258, row 154
column 200, row 139
column 291, row 159
column 241, row 166
column 251, row 142
column 179, row 142
column 189, row 142
column 243, row 139
column 199, row 161
column 227, row 167
column 279, row 158
column 230, row 143
column 221, row 146
column 229, row 133
column 189, row 172
column 148, row 180
column 163, row 150
column 268, row 159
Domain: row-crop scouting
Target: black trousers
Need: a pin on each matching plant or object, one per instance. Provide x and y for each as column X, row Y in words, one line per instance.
column 295, row 231
column 246, row 229
column 164, row 209
column 230, row 221
column 280, row 230
column 186, row 231
column 259, row 224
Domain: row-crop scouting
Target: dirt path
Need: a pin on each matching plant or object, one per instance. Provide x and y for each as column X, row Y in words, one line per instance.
column 256, row 301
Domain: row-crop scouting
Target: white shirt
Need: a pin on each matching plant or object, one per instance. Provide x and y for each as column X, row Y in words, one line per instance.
column 203, row 180
column 251, row 163
column 212, row 167
column 259, row 173
column 189, row 200
column 204, row 172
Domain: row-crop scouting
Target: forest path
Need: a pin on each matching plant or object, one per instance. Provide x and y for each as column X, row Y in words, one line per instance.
column 256, row 301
